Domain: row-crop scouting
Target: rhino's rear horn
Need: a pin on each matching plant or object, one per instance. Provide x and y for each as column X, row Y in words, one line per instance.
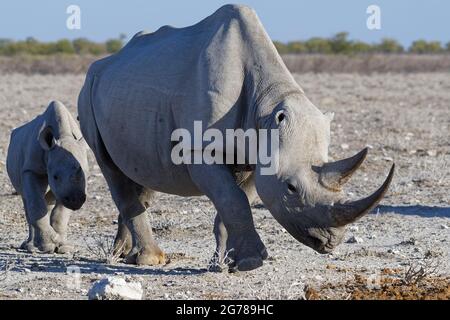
column 334, row 174
column 342, row 214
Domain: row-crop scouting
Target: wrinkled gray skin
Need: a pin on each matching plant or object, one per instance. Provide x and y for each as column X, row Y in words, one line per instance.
column 47, row 165
column 225, row 72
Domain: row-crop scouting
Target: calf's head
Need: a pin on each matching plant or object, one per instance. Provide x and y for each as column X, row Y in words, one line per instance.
column 304, row 195
column 67, row 167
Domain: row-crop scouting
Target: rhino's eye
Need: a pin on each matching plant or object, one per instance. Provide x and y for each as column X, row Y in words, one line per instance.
column 291, row 188
column 280, row 117
column 55, row 177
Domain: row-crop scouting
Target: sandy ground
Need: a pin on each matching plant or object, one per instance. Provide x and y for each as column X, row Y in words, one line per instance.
column 403, row 118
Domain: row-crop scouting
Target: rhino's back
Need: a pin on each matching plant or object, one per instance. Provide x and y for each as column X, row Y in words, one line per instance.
column 24, row 152
column 163, row 81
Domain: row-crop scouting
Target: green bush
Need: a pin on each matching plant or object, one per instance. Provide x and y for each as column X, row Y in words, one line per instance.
column 360, row 47
column 388, row 45
column 318, row 45
column 422, row 46
column 78, row 46
column 113, row 45
column 337, row 44
column 296, row 47
column 340, row 44
column 63, row 46
column 281, row 47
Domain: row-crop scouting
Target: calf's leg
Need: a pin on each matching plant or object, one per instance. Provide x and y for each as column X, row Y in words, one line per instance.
column 59, row 220
column 41, row 235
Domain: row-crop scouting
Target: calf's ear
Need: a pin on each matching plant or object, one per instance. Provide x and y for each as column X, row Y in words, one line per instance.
column 46, row 138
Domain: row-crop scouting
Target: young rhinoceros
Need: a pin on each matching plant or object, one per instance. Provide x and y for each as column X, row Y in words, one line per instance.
column 47, row 165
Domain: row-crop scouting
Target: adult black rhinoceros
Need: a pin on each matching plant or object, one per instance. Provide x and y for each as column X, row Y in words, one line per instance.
column 225, row 72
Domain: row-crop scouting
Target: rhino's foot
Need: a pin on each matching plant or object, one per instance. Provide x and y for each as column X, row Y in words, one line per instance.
column 29, row 246
column 149, row 256
column 43, row 247
column 47, row 245
column 122, row 247
column 245, row 252
column 64, row 248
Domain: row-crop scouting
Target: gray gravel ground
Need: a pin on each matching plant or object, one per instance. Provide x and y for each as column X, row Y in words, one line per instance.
column 403, row 118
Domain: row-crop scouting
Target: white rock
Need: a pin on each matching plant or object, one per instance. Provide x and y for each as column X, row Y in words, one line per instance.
column 353, row 228
column 444, row 226
column 114, row 288
column 344, row 146
column 318, row 278
column 432, row 153
column 355, row 239
column 393, row 251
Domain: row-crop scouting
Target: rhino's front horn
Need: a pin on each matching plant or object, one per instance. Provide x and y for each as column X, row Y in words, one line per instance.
column 342, row 214
column 334, row 174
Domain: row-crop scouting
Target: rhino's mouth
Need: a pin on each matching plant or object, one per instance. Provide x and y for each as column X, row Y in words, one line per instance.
column 75, row 201
column 325, row 240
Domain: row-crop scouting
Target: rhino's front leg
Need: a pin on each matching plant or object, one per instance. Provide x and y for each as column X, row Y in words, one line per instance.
column 41, row 235
column 243, row 247
column 220, row 256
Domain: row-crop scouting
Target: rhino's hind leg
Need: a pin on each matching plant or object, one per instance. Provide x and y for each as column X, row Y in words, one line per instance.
column 132, row 201
column 234, row 226
column 123, row 242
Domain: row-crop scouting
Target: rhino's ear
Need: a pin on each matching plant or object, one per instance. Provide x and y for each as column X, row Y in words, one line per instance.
column 46, row 138
column 329, row 115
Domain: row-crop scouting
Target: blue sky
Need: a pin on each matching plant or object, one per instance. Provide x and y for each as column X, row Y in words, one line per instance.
column 284, row 20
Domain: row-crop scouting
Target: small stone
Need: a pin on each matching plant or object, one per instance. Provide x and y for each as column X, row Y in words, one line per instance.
column 318, row 278
column 115, row 288
column 393, row 251
column 344, row 146
column 353, row 228
column 432, row 153
column 389, row 159
column 355, row 239
column 444, row 226
column 410, row 241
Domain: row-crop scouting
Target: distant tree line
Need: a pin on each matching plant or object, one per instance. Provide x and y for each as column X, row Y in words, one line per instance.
column 338, row 44
column 32, row 46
